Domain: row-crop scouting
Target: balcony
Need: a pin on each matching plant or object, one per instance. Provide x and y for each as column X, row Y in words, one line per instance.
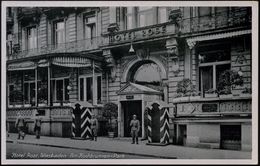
column 233, row 18
column 199, row 107
column 70, row 47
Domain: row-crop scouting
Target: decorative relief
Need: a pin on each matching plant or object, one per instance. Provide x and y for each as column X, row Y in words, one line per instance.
column 207, row 108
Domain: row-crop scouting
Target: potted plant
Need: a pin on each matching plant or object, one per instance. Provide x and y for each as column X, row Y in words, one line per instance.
column 110, row 112
column 185, row 89
column 246, row 92
column 228, row 80
column 211, row 93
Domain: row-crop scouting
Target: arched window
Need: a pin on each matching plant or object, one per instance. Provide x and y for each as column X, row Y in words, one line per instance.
column 148, row 74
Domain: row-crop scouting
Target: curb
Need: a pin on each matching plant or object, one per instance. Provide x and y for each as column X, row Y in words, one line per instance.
column 88, row 149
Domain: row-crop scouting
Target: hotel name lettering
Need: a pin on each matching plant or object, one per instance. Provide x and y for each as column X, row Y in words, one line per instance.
column 131, row 35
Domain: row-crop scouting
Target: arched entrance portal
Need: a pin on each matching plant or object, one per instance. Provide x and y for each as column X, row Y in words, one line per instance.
column 144, row 84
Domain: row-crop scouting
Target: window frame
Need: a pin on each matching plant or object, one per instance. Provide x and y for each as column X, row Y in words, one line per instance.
column 54, row 31
column 214, row 66
column 90, row 24
column 28, row 28
column 54, row 97
column 94, row 93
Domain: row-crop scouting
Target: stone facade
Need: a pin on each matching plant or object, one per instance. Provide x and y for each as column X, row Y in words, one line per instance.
column 174, row 46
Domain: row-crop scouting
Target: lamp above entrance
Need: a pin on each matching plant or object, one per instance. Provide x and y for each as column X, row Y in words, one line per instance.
column 131, row 50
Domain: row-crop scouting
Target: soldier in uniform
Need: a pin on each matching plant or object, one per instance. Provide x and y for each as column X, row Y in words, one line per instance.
column 135, row 126
column 94, row 127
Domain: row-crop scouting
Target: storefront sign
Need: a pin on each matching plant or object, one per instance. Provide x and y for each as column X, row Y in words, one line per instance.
column 209, row 107
column 138, row 34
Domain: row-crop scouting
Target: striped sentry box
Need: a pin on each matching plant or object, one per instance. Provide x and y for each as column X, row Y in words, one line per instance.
column 85, row 130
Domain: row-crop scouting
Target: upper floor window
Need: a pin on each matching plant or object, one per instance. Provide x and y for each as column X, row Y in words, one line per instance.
column 59, row 32
column 204, row 11
column 162, row 15
column 145, row 16
column 31, row 35
column 90, row 26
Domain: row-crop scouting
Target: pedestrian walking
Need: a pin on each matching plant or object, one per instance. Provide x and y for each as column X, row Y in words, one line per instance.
column 135, row 126
column 37, row 126
column 94, row 127
column 20, row 125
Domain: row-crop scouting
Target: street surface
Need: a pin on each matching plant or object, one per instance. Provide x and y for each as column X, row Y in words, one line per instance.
column 25, row 151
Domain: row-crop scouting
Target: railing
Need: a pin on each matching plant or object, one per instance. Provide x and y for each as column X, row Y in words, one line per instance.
column 213, row 107
column 69, row 47
column 232, row 17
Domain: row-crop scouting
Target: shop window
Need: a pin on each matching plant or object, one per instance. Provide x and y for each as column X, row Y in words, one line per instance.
column 90, row 26
column 59, row 32
column 31, row 36
column 86, row 92
column 11, row 89
column 60, row 89
column 29, row 93
column 212, row 63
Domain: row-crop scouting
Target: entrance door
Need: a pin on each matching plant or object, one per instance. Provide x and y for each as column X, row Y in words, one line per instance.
column 182, row 135
column 230, row 136
column 130, row 108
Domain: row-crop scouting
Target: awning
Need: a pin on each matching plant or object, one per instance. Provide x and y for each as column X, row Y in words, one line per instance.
column 192, row 41
column 71, row 61
column 28, row 65
column 43, row 63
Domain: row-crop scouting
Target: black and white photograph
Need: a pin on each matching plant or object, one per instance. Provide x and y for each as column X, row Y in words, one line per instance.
column 129, row 82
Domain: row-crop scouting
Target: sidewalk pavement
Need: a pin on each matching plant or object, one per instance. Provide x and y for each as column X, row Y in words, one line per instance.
column 124, row 146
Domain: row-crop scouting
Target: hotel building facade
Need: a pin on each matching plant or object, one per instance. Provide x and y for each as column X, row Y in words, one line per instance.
column 58, row 56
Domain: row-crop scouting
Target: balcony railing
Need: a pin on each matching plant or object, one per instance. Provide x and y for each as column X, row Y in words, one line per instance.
column 69, row 47
column 234, row 17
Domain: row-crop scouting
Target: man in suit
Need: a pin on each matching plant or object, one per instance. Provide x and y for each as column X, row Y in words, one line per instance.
column 135, row 127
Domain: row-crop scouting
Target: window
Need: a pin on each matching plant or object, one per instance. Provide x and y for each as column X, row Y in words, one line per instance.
column 59, row 87
column 129, row 17
column 59, row 32
column 212, row 64
column 162, row 15
column 145, row 16
column 204, row 11
column 90, row 27
column 31, row 38
column 86, row 90
column 11, row 89
column 9, row 44
column 29, row 92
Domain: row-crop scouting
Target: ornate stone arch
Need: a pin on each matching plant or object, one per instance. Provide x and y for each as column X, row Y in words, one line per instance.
column 138, row 62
